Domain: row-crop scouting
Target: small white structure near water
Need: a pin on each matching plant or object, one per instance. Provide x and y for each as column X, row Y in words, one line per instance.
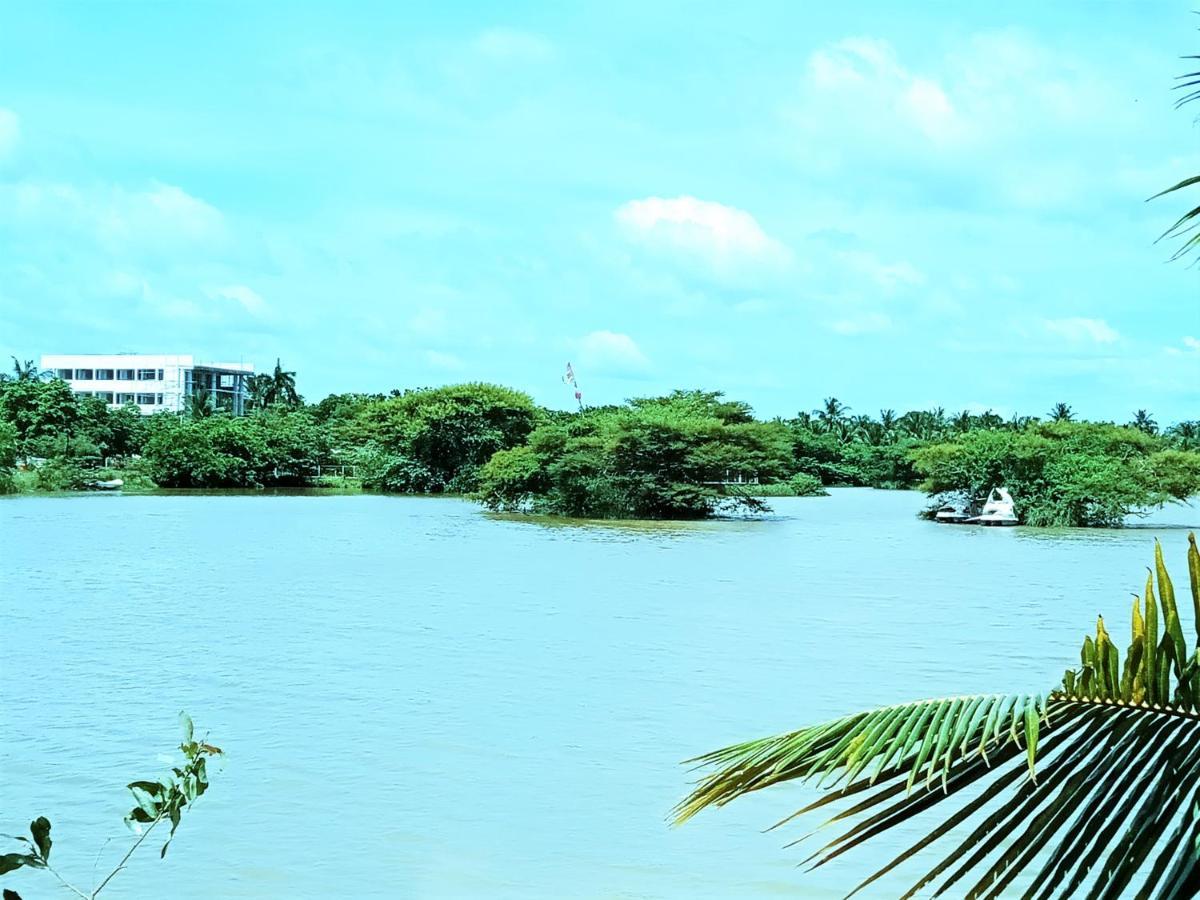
column 999, row 509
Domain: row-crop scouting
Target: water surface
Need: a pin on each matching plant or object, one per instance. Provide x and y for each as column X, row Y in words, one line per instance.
column 423, row 700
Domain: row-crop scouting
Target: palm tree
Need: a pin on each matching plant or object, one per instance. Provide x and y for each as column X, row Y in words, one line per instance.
column 1095, row 785
column 923, row 425
column 1142, row 421
column 199, row 404
column 282, row 388
column 1189, row 221
column 1185, row 435
column 257, row 388
column 1061, row 412
column 26, row 371
column 832, row 410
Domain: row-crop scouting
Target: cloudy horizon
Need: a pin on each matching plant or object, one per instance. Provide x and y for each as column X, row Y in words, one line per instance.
column 871, row 203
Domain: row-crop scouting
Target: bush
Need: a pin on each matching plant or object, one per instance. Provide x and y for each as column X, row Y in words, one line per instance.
column 1065, row 473
column 662, row 458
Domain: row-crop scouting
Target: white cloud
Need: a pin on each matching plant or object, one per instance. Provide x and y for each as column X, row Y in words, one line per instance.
column 10, row 130
column 611, row 353
column 889, row 276
column 429, row 322
column 117, row 218
column 861, row 324
column 511, row 44
column 248, row 299
column 1190, row 346
column 864, row 78
column 1081, row 330
column 723, row 235
column 999, row 110
column 446, row 361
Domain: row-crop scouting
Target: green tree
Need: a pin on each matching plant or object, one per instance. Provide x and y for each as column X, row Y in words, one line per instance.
column 1093, row 786
column 39, row 410
column 1066, row 473
column 1144, row 422
column 1185, row 435
column 281, row 389
column 435, row 439
column 199, row 404
column 1061, row 412
column 677, row 457
column 25, row 371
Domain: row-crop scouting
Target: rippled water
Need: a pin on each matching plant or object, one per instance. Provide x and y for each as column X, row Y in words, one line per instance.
column 422, row 700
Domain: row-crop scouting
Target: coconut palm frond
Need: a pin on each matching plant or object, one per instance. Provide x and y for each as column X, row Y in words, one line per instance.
column 1094, row 786
column 1189, row 83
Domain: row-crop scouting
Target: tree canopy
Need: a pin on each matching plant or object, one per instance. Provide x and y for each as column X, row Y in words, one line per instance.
column 656, row 458
column 1064, row 473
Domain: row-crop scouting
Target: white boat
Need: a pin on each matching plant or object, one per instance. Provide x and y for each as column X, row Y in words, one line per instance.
column 999, row 510
column 952, row 514
column 113, row 485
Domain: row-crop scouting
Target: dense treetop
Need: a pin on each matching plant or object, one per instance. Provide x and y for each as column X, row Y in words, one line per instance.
column 689, row 454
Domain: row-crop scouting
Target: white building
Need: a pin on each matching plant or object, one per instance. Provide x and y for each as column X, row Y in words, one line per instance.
column 155, row 382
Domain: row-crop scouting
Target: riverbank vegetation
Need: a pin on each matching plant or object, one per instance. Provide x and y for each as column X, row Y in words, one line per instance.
column 1092, row 787
column 686, row 455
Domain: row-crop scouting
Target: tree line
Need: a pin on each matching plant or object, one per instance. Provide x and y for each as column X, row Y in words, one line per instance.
column 689, row 454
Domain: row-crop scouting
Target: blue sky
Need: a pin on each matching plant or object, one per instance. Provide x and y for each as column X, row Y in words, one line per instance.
column 898, row 204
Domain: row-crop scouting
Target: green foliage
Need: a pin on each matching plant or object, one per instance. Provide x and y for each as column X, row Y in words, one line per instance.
column 62, row 473
column 277, row 446
column 39, row 409
column 435, row 439
column 660, row 458
column 1066, row 473
column 799, row 485
column 1097, row 780
column 164, row 800
column 8, row 457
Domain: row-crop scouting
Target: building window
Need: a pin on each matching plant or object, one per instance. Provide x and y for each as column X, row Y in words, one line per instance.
column 83, row 374
column 147, row 374
column 158, row 399
column 125, row 398
column 124, row 374
column 145, row 399
column 65, row 374
column 227, row 381
column 106, row 396
column 104, row 374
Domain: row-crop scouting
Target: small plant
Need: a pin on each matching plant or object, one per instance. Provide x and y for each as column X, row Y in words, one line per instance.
column 156, row 801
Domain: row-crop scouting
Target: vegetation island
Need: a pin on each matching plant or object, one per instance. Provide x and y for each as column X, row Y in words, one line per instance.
column 691, row 454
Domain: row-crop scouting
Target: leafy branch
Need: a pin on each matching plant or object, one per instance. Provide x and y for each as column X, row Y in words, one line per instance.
column 156, row 801
column 1094, row 785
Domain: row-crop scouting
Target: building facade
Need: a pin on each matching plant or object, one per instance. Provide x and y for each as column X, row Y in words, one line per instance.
column 155, row 382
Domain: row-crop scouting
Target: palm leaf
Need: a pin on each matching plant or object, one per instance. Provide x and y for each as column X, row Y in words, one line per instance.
column 1093, row 787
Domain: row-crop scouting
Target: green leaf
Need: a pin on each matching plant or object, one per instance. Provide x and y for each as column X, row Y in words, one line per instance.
column 40, row 829
column 185, row 722
column 11, row 895
column 145, row 801
column 10, row 862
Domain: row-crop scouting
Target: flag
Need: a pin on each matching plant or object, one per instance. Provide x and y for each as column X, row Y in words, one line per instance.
column 569, row 376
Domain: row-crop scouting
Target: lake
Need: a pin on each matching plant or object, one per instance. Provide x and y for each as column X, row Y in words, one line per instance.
column 419, row 699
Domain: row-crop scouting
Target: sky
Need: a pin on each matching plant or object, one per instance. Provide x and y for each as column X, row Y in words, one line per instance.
column 900, row 205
